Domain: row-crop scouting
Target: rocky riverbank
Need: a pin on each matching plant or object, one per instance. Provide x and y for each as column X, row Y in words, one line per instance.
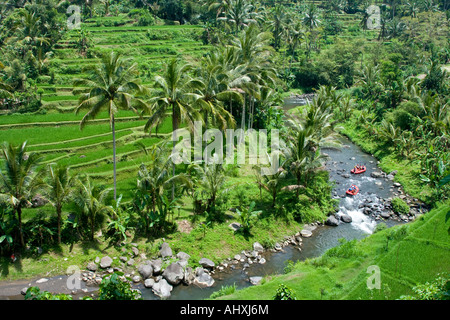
column 167, row 270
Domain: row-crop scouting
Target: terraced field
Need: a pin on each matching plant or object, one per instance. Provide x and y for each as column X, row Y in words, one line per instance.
column 56, row 135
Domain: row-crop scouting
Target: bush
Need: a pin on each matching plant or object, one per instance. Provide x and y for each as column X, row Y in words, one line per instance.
column 113, row 288
column 438, row 289
column 34, row 293
column 399, row 206
column 284, row 293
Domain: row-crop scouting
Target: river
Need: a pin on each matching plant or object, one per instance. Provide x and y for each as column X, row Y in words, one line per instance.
column 372, row 190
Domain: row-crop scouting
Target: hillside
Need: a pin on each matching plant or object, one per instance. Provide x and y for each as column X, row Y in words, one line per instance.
column 406, row 255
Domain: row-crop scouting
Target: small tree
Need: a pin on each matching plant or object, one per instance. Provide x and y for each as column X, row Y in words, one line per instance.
column 246, row 216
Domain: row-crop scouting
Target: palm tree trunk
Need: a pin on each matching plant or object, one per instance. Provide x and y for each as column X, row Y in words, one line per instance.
column 58, row 213
column 114, row 156
column 175, row 118
column 19, row 217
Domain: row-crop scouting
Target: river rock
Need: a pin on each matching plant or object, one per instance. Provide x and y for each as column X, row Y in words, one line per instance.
column 189, row 276
column 206, row 263
column 305, row 233
column 262, row 261
column 145, row 270
column 385, row 214
column 346, row 218
column 255, row 280
column 149, row 283
column 183, row 256
column 258, row 247
column 92, row 266
column 278, row 246
column 165, row 250
column 393, row 173
column 203, row 280
column 396, row 184
column 105, row 262
column 174, row 273
column 332, row 221
column 157, row 266
column 135, row 251
column 235, row 226
column 376, row 174
column 162, row 289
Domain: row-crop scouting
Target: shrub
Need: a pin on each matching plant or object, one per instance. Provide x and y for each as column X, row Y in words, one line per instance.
column 113, row 288
column 438, row 289
column 284, row 293
column 399, row 206
column 34, row 293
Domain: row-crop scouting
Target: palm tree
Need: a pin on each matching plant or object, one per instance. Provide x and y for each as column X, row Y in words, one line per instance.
column 311, row 17
column 278, row 22
column 210, row 179
column 59, row 188
column 273, row 183
column 214, row 91
column 90, row 199
column 19, row 179
column 173, row 92
column 154, row 180
column 113, row 86
column 239, row 14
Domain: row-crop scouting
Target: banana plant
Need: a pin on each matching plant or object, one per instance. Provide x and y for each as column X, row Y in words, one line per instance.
column 247, row 215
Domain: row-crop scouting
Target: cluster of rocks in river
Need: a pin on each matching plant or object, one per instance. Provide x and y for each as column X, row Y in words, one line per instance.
column 168, row 270
column 380, row 208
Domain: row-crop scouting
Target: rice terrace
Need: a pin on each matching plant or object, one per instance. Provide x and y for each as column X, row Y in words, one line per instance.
column 332, row 119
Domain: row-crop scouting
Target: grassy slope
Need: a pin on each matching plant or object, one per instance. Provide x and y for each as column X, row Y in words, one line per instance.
column 341, row 273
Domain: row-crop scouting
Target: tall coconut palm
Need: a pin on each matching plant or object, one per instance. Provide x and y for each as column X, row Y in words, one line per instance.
column 19, row 179
column 311, row 17
column 59, row 187
column 173, row 92
column 239, row 14
column 113, row 86
column 214, row 91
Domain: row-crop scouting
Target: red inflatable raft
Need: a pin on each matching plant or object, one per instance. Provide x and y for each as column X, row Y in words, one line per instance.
column 358, row 170
column 353, row 190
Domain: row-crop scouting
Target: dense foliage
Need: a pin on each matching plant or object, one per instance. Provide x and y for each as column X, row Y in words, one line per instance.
column 390, row 84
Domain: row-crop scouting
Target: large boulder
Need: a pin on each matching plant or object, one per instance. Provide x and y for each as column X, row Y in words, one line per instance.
column 255, row 280
column 346, row 218
column 145, row 270
column 183, row 256
column 203, row 279
column 206, row 263
column 92, row 266
column 162, row 289
column 165, row 250
column 306, row 233
column 258, row 247
column 105, row 262
column 157, row 266
column 376, row 174
column 189, row 276
column 332, row 221
column 174, row 273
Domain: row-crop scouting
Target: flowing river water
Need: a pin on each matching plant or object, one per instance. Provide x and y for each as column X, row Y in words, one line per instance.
column 339, row 163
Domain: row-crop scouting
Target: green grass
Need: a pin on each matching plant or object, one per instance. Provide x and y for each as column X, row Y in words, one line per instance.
column 413, row 257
